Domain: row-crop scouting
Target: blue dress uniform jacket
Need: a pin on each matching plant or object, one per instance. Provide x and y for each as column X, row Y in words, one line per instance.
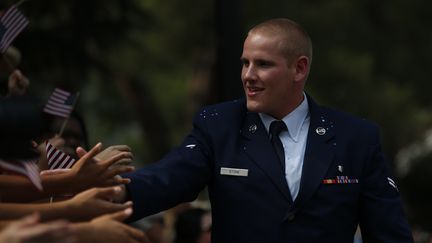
column 345, row 180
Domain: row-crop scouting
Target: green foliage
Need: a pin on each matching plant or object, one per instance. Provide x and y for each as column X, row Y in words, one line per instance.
column 370, row 58
column 134, row 62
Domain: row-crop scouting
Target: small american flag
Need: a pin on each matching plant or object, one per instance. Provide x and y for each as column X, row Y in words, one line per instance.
column 12, row 22
column 28, row 169
column 60, row 103
column 57, row 159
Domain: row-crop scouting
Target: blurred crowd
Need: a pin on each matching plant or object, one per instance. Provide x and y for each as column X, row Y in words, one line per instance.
column 55, row 187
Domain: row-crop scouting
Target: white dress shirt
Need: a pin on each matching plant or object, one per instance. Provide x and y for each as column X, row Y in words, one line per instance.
column 294, row 143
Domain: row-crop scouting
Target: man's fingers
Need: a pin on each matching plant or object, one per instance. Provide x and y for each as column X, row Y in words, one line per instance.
column 106, row 193
column 122, row 215
column 111, row 207
column 122, row 162
column 127, row 158
column 120, row 147
column 116, row 181
column 117, row 170
column 117, row 157
column 109, row 193
column 120, row 180
column 128, row 155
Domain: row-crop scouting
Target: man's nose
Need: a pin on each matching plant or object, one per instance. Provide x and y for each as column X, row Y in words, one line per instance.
column 249, row 73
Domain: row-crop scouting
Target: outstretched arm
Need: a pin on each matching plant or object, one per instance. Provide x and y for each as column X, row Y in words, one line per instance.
column 109, row 229
column 29, row 230
column 84, row 206
column 89, row 171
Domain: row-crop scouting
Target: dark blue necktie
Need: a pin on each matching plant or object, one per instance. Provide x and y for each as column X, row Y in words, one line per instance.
column 276, row 127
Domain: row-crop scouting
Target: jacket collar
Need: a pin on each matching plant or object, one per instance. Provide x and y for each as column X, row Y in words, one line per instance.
column 319, row 153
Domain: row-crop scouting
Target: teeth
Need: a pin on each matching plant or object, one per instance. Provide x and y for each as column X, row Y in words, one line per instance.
column 254, row 89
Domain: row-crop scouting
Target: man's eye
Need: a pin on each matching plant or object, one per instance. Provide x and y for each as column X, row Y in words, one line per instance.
column 245, row 62
column 264, row 64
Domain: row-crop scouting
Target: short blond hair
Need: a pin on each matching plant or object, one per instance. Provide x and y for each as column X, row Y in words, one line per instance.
column 294, row 40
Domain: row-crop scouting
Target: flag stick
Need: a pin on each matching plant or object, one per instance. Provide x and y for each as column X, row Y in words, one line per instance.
column 67, row 119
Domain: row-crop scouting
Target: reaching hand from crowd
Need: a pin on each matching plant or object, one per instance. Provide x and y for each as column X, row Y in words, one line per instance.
column 90, row 171
column 29, row 230
column 17, row 84
column 93, row 203
column 110, row 229
column 82, row 207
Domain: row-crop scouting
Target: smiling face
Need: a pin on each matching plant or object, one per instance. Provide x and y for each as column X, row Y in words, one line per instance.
column 273, row 84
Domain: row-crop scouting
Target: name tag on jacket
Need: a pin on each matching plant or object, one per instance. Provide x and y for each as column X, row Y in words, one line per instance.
column 233, row 171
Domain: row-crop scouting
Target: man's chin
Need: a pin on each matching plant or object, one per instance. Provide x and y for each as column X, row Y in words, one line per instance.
column 253, row 106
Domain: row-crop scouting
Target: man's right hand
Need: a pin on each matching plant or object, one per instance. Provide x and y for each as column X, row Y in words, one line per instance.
column 90, row 171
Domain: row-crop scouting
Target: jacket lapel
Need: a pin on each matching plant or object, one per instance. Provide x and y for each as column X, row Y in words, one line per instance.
column 258, row 147
column 320, row 150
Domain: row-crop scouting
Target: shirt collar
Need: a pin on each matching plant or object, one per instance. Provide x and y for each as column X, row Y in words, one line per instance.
column 294, row 120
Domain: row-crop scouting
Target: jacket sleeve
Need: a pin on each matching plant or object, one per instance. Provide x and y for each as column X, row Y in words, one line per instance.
column 179, row 177
column 381, row 214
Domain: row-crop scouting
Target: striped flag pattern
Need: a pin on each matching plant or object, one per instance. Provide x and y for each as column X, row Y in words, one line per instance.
column 60, row 103
column 12, row 22
column 57, row 159
column 28, row 169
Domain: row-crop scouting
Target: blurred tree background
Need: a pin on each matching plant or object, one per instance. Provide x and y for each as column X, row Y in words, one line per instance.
column 145, row 66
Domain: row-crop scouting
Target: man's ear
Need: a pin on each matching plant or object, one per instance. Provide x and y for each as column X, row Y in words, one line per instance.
column 301, row 68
